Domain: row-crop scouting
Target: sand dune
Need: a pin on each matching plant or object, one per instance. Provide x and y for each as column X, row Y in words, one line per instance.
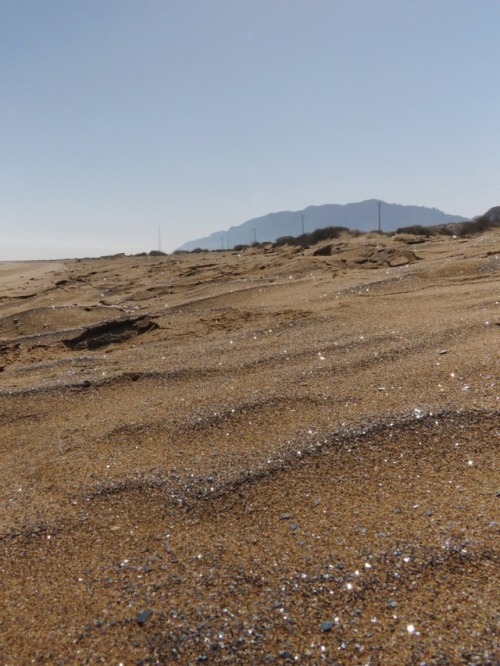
column 277, row 455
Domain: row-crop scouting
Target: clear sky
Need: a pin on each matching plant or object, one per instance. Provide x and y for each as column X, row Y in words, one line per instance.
column 118, row 117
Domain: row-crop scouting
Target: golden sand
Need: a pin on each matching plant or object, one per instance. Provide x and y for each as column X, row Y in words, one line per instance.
column 249, row 458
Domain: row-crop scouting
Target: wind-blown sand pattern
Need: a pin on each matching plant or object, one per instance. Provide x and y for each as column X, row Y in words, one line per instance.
column 255, row 457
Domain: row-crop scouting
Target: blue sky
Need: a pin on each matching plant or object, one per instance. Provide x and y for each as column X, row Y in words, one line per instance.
column 118, row 117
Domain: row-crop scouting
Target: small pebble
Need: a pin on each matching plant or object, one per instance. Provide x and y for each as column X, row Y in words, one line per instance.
column 143, row 616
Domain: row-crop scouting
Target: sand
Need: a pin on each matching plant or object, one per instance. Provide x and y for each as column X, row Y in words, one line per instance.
column 273, row 455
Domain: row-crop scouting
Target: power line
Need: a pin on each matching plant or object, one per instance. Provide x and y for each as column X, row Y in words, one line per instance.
column 454, row 194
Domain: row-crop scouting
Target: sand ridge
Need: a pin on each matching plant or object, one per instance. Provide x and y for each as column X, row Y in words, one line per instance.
column 257, row 456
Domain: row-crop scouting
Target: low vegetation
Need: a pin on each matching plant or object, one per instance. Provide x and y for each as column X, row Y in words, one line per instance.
column 460, row 229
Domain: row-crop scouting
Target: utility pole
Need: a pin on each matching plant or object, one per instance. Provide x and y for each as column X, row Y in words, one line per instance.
column 379, row 217
column 302, row 225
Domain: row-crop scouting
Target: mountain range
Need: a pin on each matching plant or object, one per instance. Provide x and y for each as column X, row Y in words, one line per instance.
column 363, row 216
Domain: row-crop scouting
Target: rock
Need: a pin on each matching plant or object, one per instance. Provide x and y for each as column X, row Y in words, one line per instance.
column 402, row 259
column 326, row 626
column 142, row 617
column 324, row 251
column 284, row 654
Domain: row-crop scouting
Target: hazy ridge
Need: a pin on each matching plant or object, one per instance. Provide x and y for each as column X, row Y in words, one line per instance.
column 362, row 216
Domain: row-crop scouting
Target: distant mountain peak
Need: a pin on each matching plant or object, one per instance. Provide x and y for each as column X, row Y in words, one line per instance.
column 362, row 216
